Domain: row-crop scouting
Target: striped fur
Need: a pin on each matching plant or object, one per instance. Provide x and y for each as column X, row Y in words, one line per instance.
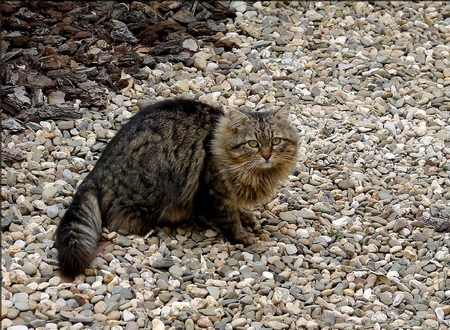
column 79, row 232
column 177, row 161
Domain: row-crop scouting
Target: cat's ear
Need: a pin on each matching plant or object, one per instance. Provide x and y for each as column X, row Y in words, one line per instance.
column 236, row 117
column 282, row 113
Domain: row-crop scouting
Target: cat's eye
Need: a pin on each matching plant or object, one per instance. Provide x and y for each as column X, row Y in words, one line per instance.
column 253, row 143
column 276, row 141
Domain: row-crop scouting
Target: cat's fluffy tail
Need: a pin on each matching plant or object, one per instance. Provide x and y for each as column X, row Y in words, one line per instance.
column 78, row 233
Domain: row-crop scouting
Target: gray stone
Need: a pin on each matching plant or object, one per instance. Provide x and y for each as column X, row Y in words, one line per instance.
column 214, row 292
column 29, row 269
column 399, row 224
column 238, row 6
column 66, row 125
column 176, row 271
column 123, row 241
column 163, row 263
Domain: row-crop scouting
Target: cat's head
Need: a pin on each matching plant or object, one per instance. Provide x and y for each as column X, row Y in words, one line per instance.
column 255, row 142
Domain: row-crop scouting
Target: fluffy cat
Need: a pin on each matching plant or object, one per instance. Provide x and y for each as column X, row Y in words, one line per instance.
column 176, row 161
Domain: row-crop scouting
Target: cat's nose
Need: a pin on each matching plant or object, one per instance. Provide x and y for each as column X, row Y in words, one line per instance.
column 266, row 156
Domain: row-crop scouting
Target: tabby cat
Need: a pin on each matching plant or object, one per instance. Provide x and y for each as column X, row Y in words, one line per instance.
column 175, row 161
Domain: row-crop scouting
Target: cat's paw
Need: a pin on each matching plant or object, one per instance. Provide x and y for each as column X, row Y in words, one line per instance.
column 248, row 219
column 244, row 237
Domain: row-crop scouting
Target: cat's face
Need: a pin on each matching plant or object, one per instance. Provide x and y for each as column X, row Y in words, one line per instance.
column 258, row 141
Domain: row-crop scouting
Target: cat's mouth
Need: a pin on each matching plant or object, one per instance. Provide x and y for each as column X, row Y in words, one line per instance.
column 265, row 163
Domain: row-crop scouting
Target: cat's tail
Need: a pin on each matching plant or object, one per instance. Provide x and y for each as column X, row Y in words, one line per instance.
column 78, row 233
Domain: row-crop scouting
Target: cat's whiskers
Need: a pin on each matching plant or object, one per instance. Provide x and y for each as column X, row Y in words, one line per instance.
column 245, row 172
column 250, row 168
column 237, row 166
column 285, row 158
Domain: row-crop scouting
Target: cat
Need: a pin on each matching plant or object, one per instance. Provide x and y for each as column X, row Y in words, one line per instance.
column 175, row 161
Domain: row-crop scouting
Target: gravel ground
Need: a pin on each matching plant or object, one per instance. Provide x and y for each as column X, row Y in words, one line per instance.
column 357, row 238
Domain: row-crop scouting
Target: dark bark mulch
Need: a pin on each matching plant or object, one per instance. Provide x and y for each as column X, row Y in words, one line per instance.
column 53, row 53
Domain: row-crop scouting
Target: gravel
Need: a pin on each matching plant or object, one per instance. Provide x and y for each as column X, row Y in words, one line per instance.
column 356, row 238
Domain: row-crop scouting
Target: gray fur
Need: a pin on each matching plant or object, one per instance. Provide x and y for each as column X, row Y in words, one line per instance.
column 176, row 161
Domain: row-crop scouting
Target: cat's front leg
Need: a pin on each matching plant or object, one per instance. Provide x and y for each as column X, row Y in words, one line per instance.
column 231, row 226
column 247, row 219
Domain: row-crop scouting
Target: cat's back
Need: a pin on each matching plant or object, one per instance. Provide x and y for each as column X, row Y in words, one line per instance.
column 179, row 112
column 172, row 123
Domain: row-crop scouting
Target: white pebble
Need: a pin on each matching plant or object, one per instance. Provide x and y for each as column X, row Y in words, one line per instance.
column 128, row 316
column 291, row 249
column 398, row 299
column 267, row 275
column 238, row 6
column 157, row 324
column 54, row 281
column 302, row 233
column 67, row 174
column 38, row 204
column 341, row 222
column 52, row 211
column 389, row 155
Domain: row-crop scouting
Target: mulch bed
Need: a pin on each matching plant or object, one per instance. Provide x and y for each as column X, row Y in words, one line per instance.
column 54, row 53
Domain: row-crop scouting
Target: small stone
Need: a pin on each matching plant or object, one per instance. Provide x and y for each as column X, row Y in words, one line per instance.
column 209, row 233
column 66, row 125
column 162, row 284
column 398, row 299
column 100, row 307
column 200, row 63
column 307, row 214
column 190, row 44
column 132, row 326
column 287, row 216
column 123, row 241
column 65, row 294
column 293, row 309
column 48, row 193
column 317, row 247
column 246, row 300
column 399, row 224
column 29, row 269
column 386, row 298
column 341, row 222
column 52, row 211
column 198, row 292
column 303, row 233
column 157, row 324
column 238, row 6
column 17, row 327
column 6, row 222
column 205, row 323
column 163, row 263
column 214, row 292
column 18, row 276
column 67, row 174
column 421, row 237
column 291, row 249
column 54, row 281
column 176, row 271
column 409, row 253
column 113, row 315
column 4, row 311
column 346, row 184
column 239, row 322
column 22, row 306
column 128, row 316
